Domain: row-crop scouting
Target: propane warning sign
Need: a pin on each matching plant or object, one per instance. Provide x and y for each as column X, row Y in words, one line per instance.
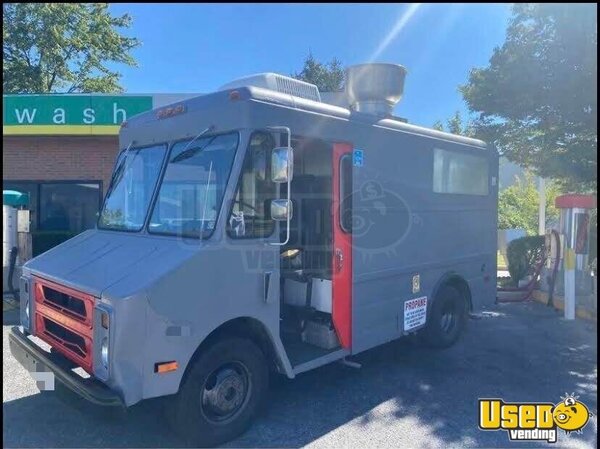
column 415, row 313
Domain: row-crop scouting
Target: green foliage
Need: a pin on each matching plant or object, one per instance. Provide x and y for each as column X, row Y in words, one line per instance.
column 63, row 47
column 438, row 125
column 42, row 241
column 518, row 205
column 523, row 254
column 537, row 99
column 327, row 77
column 112, row 217
column 454, row 125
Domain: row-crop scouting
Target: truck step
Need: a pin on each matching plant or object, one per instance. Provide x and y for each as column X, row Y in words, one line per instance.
column 350, row 363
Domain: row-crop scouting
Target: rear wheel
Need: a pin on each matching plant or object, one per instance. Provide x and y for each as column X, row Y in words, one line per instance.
column 448, row 318
column 221, row 394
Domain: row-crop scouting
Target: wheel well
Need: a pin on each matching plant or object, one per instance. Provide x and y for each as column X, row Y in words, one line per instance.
column 243, row 327
column 461, row 285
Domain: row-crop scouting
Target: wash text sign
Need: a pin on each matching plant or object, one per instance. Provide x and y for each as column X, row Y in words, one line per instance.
column 60, row 114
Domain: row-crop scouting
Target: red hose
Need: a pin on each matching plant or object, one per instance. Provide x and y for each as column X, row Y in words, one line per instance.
column 528, row 289
column 536, row 273
column 555, row 268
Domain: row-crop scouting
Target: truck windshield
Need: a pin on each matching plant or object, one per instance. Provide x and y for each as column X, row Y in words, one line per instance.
column 131, row 188
column 192, row 189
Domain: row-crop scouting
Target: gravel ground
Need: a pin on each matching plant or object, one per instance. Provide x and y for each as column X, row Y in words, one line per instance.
column 403, row 396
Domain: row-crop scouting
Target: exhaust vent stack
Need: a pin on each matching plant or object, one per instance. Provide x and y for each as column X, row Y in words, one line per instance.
column 375, row 88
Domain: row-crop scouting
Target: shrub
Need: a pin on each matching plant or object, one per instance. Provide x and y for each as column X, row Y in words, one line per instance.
column 523, row 254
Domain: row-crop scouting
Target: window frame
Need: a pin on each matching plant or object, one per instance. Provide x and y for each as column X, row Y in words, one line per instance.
column 37, row 185
column 145, row 221
column 239, row 181
column 342, row 225
column 461, row 151
column 161, row 179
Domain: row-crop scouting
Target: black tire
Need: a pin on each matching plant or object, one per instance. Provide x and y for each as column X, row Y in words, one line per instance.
column 448, row 318
column 221, row 394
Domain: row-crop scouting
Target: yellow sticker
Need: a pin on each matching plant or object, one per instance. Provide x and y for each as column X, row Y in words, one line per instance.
column 569, row 259
column 416, row 283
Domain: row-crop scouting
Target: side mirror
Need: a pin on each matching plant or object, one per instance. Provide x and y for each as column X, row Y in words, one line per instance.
column 282, row 164
column 281, row 209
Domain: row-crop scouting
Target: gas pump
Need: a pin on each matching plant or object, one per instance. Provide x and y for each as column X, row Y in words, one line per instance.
column 16, row 238
column 574, row 235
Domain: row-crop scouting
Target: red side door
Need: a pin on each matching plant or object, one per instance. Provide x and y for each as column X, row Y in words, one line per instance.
column 342, row 243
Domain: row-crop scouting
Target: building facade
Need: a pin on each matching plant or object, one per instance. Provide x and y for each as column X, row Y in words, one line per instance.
column 61, row 149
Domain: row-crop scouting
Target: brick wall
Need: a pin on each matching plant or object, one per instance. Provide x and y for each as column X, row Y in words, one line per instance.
column 28, row 158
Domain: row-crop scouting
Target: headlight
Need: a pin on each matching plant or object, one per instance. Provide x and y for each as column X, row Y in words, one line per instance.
column 104, row 352
column 27, row 309
column 101, row 338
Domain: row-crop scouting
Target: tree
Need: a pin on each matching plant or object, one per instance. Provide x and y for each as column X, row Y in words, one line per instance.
column 63, row 47
column 455, row 125
column 537, row 98
column 327, row 77
column 518, row 205
column 438, row 125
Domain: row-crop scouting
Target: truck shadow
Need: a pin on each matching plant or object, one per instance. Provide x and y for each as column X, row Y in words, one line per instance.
column 404, row 394
column 10, row 317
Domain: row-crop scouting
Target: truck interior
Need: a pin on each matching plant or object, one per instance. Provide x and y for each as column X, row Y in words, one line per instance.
column 306, row 326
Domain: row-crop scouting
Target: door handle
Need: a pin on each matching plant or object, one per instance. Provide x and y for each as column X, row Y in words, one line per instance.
column 339, row 259
column 267, row 284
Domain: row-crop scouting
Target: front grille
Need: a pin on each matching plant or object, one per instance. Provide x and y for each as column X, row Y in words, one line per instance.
column 71, row 303
column 64, row 302
column 75, row 343
column 63, row 319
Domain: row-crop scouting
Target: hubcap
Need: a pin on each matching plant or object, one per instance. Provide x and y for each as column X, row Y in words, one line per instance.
column 225, row 392
column 448, row 319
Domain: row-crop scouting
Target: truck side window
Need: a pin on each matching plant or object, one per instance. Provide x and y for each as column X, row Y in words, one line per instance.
column 249, row 216
column 346, row 193
column 460, row 173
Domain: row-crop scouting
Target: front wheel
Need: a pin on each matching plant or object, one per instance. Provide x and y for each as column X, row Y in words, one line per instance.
column 448, row 318
column 221, row 394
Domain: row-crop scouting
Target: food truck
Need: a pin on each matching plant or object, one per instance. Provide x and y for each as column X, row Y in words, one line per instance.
column 257, row 230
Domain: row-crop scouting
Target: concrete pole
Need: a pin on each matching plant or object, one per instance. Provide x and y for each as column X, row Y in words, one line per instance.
column 542, row 206
column 569, row 264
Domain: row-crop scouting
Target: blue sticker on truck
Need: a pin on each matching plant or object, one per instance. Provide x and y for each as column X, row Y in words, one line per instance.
column 358, row 158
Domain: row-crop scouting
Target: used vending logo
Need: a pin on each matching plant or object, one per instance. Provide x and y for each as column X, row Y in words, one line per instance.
column 534, row 421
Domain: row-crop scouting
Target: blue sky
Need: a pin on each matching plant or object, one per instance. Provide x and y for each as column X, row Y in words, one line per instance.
column 198, row 47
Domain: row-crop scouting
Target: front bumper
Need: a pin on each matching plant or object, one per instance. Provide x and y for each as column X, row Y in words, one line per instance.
column 35, row 359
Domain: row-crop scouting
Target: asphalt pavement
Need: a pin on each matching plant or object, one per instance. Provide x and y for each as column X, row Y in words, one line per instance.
column 404, row 395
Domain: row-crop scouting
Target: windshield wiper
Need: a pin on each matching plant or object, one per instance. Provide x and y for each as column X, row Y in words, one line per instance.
column 186, row 154
column 118, row 171
column 210, row 128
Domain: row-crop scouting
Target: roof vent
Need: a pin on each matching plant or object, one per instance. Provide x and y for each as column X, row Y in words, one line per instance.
column 375, row 88
column 278, row 83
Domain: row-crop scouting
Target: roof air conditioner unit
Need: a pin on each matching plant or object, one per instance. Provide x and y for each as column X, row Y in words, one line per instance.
column 278, row 83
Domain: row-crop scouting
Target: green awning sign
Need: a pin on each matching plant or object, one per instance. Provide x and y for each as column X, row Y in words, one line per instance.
column 70, row 114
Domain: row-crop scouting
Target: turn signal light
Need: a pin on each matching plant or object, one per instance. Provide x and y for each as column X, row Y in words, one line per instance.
column 165, row 367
